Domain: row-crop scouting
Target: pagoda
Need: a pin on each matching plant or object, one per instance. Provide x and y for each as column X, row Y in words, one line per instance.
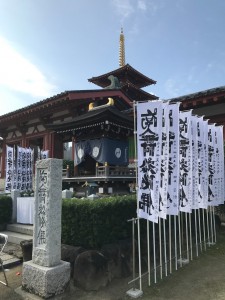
column 126, row 78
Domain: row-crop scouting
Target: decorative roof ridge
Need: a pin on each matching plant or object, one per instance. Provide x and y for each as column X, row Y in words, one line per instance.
column 198, row 94
column 35, row 104
column 48, row 100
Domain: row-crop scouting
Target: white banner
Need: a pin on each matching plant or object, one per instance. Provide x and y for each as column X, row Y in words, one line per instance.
column 9, row 169
column 149, row 144
column 29, row 169
column 185, row 162
column 44, row 154
column 173, row 168
column 19, row 168
column 212, row 193
column 14, row 178
column 24, row 170
column 205, row 179
column 202, row 172
column 195, row 179
column 164, row 162
column 221, row 164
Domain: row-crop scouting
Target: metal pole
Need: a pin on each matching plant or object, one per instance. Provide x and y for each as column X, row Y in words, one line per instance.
column 165, row 245
column 211, row 225
column 170, row 245
column 207, row 219
column 200, row 231
column 196, row 234
column 175, row 241
column 203, row 220
column 214, row 222
column 160, row 248
column 180, row 246
column 139, row 254
column 190, row 231
column 133, row 242
column 149, row 258
column 154, row 255
column 187, row 242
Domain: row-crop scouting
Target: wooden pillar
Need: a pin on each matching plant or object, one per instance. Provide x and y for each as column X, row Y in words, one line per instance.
column 47, row 143
column 23, row 140
column 57, row 146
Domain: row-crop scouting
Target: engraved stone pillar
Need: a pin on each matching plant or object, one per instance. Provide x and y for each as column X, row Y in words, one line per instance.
column 47, row 275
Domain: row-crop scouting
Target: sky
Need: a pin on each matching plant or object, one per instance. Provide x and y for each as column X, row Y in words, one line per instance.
column 51, row 46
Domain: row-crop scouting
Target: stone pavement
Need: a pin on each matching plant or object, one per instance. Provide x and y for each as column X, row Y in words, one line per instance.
column 202, row 279
column 12, row 255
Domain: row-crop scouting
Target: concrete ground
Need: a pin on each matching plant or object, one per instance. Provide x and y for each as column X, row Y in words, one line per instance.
column 202, row 279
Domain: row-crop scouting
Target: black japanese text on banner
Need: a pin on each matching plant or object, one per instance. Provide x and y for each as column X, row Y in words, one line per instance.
column 149, row 145
column 173, row 168
column 185, row 162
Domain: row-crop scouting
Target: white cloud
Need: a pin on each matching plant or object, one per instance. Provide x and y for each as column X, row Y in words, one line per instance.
column 18, row 74
column 171, row 87
column 124, row 8
column 142, row 5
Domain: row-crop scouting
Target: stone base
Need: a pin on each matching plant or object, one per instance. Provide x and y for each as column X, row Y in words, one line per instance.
column 183, row 261
column 43, row 281
column 134, row 293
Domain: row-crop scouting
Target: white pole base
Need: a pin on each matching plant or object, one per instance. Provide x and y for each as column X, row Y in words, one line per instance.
column 134, row 293
column 183, row 261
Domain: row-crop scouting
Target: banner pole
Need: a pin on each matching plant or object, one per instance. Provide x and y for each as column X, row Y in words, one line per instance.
column 187, row 242
column 175, row 242
column 203, row 220
column 139, row 254
column 149, row 258
column 170, row 245
column 207, row 216
column 154, row 255
column 190, row 231
column 160, row 248
column 200, row 231
column 211, row 225
column 214, row 223
column 138, row 220
column 180, row 246
column 165, row 244
column 196, row 234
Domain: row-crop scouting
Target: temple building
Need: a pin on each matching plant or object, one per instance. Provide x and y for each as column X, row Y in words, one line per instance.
column 98, row 123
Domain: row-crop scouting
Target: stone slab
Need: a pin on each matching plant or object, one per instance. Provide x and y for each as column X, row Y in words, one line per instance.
column 45, row 282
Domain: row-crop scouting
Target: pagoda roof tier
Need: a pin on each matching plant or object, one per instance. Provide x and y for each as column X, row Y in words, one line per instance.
column 124, row 74
column 136, row 94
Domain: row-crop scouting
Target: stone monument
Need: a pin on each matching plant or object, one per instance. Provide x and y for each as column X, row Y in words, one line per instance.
column 46, row 275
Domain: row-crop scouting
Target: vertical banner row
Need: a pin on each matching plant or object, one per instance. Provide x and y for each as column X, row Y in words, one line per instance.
column 180, row 161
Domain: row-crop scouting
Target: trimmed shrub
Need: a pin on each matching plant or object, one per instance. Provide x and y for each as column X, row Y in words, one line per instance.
column 5, row 209
column 92, row 223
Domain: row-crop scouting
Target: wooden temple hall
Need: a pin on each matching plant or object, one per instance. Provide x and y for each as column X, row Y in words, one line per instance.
column 97, row 123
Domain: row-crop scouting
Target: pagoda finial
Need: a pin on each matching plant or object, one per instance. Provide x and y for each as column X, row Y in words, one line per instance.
column 122, row 50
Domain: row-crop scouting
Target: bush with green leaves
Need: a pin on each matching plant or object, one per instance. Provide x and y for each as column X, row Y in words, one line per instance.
column 5, row 209
column 92, row 223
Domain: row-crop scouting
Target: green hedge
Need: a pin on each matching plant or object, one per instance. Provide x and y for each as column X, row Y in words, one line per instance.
column 92, row 223
column 5, row 209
